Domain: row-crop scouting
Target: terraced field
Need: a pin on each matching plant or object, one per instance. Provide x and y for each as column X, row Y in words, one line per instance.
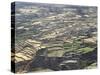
column 53, row 37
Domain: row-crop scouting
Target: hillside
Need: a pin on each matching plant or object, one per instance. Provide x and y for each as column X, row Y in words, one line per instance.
column 53, row 37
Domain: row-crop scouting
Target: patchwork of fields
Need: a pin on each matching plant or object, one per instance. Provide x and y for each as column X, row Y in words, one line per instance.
column 53, row 37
